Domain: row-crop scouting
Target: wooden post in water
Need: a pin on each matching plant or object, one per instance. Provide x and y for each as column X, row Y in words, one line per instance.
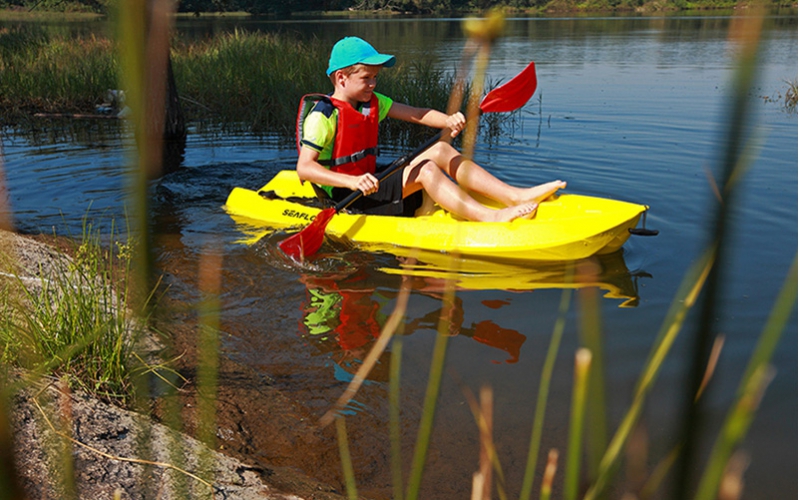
column 174, row 134
column 165, row 128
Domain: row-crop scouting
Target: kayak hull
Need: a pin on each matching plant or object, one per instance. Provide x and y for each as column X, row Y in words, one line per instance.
column 566, row 227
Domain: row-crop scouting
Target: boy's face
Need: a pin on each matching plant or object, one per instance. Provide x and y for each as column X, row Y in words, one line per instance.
column 360, row 84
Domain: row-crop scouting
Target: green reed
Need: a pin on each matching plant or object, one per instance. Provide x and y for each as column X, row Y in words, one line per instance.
column 790, row 97
column 240, row 82
column 756, row 377
column 258, row 77
column 53, row 74
column 544, row 392
column 72, row 320
column 583, row 362
column 256, row 80
column 431, row 397
column 344, row 456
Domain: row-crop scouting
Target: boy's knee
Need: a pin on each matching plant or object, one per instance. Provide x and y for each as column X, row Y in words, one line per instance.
column 443, row 150
column 428, row 170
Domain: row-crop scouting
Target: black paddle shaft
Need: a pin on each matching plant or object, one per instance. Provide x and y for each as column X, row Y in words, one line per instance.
column 393, row 167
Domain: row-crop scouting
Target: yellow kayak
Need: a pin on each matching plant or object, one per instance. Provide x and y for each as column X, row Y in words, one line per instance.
column 565, row 227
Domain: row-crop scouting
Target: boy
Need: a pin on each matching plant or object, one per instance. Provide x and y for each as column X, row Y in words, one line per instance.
column 339, row 140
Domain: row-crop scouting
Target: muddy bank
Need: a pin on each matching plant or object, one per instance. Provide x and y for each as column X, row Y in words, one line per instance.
column 115, row 450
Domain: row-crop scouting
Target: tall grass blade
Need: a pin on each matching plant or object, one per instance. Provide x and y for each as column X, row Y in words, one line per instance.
column 488, row 458
column 65, row 470
column 133, row 25
column 431, row 396
column 591, row 334
column 347, row 463
column 544, row 391
column 394, row 418
column 10, row 487
column 572, row 472
column 549, row 475
column 487, row 453
column 753, row 383
column 773, row 330
column 659, row 473
column 746, row 32
column 713, row 359
column 684, row 300
column 734, row 429
column 208, row 353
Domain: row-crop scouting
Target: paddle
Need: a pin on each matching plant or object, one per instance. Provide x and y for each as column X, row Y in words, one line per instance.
column 510, row 96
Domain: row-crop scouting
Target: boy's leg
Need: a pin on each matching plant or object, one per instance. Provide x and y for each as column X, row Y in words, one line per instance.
column 472, row 176
column 427, row 175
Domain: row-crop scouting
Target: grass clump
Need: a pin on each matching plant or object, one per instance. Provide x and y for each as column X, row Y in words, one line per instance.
column 243, row 82
column 53, row 74
column 790, row 98
column 253, row 80
column 70, row 319
column 256, row 80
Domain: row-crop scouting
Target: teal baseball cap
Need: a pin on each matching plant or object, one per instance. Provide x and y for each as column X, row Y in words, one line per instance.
column 353, row 50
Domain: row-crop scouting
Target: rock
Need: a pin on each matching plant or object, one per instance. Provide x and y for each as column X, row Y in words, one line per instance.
column 70, row 445
column 104, row 444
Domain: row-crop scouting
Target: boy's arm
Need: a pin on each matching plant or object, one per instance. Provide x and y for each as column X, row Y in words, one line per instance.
column 428, row 117
column 309, row 169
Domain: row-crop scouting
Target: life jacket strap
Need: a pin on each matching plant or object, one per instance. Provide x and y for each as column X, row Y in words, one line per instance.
column 360, row 155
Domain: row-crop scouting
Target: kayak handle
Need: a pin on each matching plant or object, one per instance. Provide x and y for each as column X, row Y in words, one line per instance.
column 643, row 231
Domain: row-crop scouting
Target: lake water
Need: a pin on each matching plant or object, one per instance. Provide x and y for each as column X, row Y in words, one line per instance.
column 632, row 108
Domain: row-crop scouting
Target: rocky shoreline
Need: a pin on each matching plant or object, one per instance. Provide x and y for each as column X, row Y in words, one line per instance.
column 112, row 452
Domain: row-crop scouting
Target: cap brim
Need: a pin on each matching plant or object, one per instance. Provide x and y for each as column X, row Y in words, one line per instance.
column 379, row 60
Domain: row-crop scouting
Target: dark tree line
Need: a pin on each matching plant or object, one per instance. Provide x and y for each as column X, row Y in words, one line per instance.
column 286, row 7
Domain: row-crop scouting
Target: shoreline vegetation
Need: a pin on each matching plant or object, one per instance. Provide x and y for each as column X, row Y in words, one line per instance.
column 370, row 8
column 221, row 81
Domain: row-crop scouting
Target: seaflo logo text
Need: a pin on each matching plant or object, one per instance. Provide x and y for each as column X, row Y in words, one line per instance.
column 294, row 214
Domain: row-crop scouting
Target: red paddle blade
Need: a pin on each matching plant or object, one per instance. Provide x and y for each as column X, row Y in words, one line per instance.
column 308, row 241
column 513, row 94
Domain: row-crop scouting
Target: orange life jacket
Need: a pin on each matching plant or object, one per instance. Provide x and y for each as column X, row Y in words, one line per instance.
column 355, row 146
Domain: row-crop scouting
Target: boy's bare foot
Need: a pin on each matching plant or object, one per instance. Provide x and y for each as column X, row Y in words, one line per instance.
column 524, row 210
column 540, row 192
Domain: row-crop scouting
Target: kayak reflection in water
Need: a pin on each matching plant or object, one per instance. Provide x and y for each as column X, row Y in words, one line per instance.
column 345, row 316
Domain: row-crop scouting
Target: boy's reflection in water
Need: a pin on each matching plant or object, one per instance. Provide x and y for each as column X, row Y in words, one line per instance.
column 344, row 314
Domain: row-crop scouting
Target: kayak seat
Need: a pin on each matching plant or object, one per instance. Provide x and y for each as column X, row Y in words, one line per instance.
column 323, row 197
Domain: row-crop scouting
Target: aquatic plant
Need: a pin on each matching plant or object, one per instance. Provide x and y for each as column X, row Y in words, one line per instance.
column 53, row 74
column 790, row 97
column 253, row 82
column 240, row 81
column 71, row 318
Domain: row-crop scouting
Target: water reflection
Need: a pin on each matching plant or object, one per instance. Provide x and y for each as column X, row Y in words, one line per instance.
column 344, row 315
column 607, row 272
column 346, row 308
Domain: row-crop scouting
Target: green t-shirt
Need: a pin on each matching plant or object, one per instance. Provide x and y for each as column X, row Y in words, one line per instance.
column 319, row 130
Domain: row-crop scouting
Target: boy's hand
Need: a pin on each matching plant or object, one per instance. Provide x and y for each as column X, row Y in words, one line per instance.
column 456, row 123
column 366, row 183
